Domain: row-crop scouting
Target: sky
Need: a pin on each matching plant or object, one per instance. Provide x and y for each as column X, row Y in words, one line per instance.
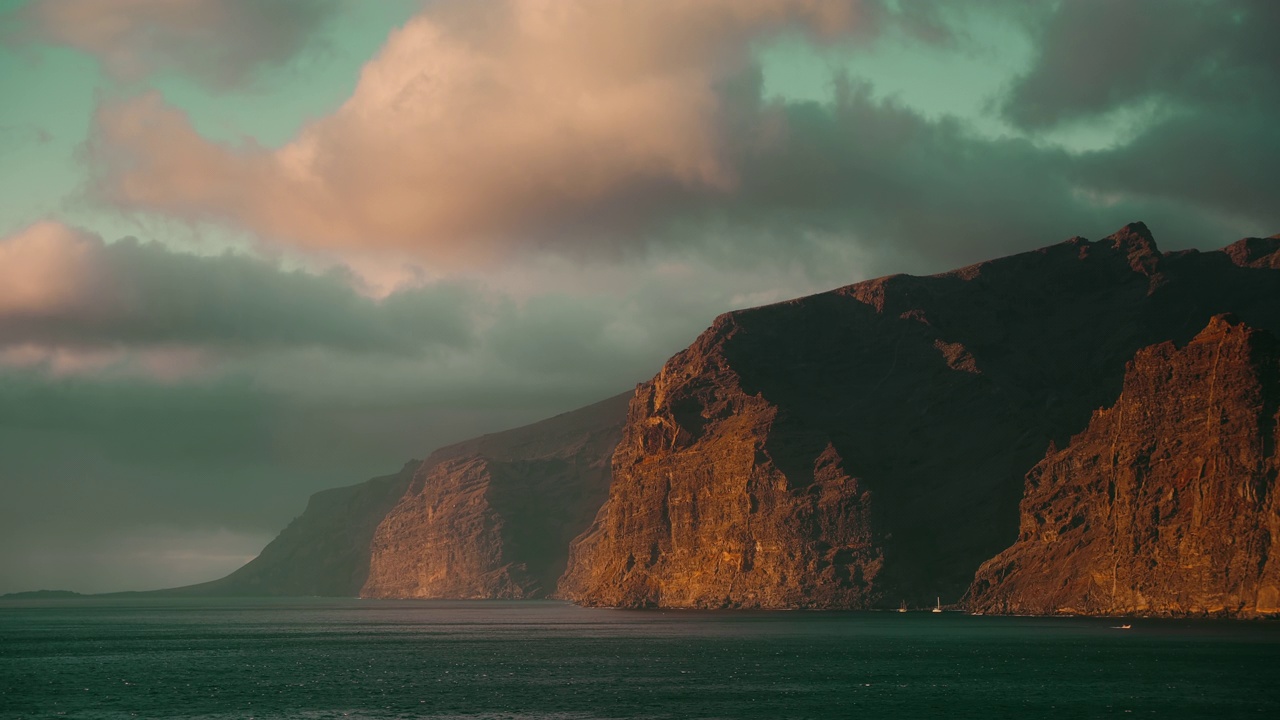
column 252, row 249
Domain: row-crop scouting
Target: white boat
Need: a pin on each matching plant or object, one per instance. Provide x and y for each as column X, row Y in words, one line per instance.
column 938, row 608
column 903, row 606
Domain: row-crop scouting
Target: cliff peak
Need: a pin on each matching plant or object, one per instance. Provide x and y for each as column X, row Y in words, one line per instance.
column 1133, row 233
column 1255, row 252
column 1136, row 243
column 1220, row 326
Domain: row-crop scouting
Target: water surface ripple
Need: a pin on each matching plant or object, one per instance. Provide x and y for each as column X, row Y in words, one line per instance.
column 324, row 658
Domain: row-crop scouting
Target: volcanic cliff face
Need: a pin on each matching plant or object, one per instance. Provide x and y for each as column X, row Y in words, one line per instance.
column 1167, row 502
column 869, row 444
column 493, row 517
column 325, row 551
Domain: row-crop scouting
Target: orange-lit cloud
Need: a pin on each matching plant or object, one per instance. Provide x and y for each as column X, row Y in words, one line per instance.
column 70, row 301
column 49, row 269
column 480, row 121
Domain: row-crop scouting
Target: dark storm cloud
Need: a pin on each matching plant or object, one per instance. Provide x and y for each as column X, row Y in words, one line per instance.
column 1219, row 161
column 219, row 43
column 1202, row 77
column 67, row 288
column 922, row 193
column 87, row 463
column 100, row 452
column 99, row 475
column 1095, row 56
column 882, row 172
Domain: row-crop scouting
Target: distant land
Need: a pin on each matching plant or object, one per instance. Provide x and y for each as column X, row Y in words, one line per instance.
column 1088, row 428
column 42, row 595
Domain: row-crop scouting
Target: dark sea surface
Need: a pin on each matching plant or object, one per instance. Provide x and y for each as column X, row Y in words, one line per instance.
column 322, row 658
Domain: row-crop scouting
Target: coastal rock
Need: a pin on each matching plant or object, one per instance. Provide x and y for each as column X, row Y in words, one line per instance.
column 1166, row 504
column 493, row 517
column 868, row 445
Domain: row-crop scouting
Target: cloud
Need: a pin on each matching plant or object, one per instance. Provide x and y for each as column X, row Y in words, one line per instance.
column 921, row 195
column 488, row 133
column 65, row 288
column 1204, row 79
column 478, row 122
column 1219, row 161
column 220, row 43
column 1096, row 57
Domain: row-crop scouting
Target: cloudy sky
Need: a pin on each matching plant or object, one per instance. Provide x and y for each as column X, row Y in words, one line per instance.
column 250, row 249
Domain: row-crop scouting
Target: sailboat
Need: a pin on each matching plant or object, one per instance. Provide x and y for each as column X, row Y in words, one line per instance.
column 938, row 608
column 903, row 606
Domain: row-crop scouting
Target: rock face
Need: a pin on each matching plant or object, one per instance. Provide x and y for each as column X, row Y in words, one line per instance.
column 1167, row 503
column 868, row 445
column 325, row 551
column 493, row 517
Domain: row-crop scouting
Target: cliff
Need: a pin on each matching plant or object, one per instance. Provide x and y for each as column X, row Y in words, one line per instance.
column 493, row 517
column 869, row 445
column 1166, row 504
column 325, row 551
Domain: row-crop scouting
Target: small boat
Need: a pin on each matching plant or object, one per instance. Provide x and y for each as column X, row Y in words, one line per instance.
column 938, row 608
column 903, row 606
column 1125, row 626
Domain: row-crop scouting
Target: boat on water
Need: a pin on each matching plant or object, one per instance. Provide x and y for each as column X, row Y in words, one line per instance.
column 938, row 608
column 903, row 606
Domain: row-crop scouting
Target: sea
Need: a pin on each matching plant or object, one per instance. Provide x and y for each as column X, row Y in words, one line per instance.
column 320, row 658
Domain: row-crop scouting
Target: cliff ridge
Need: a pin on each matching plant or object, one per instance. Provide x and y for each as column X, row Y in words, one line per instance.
column 868, row 445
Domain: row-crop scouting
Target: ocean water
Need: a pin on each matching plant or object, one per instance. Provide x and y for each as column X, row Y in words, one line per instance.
column 323, row 658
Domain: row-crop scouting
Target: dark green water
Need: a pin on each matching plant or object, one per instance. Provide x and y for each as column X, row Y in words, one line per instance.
column 313, row 658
